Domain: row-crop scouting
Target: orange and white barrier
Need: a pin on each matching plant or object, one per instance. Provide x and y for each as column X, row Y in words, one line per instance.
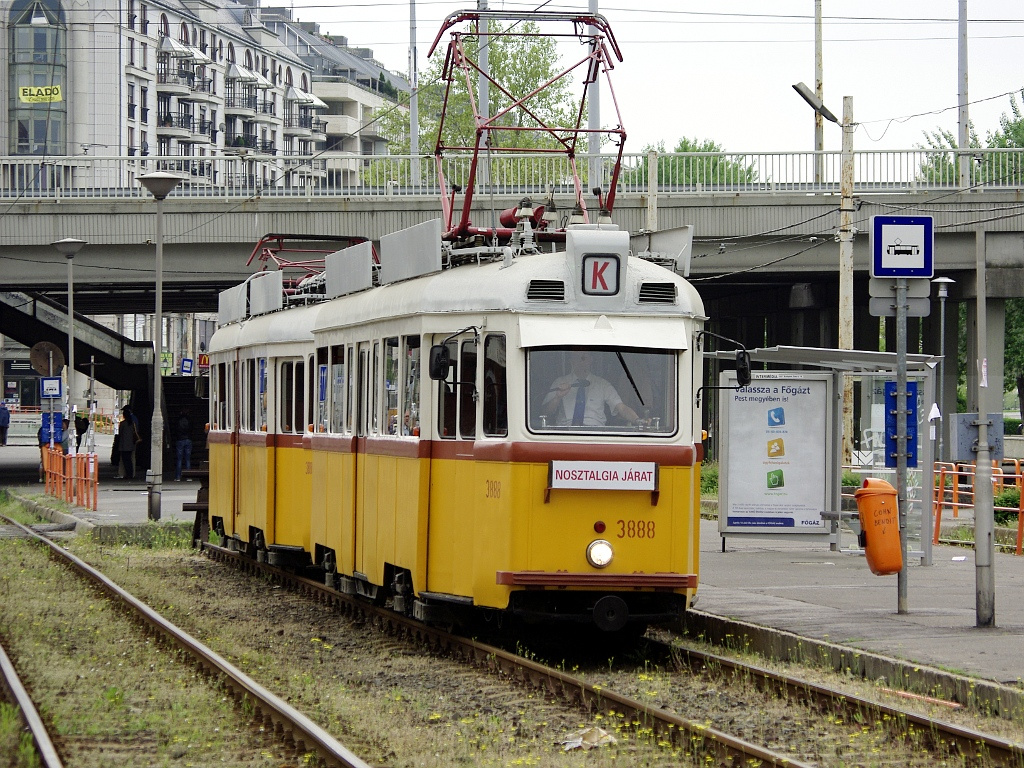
column 75, row 479
column 1008, row 474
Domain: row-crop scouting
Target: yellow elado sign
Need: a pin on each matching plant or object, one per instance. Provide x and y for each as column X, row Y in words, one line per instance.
column 39, row 94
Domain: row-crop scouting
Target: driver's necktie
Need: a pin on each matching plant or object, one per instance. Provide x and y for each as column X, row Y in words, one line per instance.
column 581, row 402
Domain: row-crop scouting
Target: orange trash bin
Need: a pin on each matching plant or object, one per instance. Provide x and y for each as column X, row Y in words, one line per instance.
column 879, row 514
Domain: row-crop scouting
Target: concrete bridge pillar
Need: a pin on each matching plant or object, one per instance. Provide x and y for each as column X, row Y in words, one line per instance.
column 992, row 353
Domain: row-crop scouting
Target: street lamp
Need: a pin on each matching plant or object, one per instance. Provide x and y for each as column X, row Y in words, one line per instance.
column 845, row 237
column 69, row 246
column 943, row 283
column 159, row 185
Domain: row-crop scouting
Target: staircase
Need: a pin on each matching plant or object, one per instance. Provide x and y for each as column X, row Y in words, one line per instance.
column 180, row 398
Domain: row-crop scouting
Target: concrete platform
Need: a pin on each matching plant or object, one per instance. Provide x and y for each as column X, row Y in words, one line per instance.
column 120, row 502
column 794, row 598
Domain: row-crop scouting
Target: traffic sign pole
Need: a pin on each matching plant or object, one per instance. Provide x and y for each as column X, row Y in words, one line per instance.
column 901, row 436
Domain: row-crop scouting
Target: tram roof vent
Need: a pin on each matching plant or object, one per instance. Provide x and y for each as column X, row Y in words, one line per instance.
column 546, row 290
column 657, row 293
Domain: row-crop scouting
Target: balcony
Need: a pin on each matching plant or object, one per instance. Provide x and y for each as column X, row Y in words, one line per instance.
column 240, row 105
column 298, row 125
column 266, row 112
column 178, row 82
column 175, row 126
column 201, row 132
column 202, row 90
column 319, row 129
column 240, row 143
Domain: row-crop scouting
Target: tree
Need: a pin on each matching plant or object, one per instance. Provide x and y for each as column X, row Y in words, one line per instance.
column 521, row 63
column 986, row 167
column 711, row 165
column 993, row 167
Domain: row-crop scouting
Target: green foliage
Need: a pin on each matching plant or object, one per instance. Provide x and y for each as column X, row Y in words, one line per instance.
column 714, row 167
column 851, row 478
column 519, row 64
column 1010, row 499
column 709, row 479
column 1011, row 426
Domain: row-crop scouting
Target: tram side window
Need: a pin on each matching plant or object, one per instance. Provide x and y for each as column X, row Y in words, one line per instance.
column 375, row 387
column 391, row 377
column 446, row 397
column 261, row 393
column 232, row 387
column 323, row 390
column 338, row 391
column 220, row 399
column 287, row 396
column 411, row 390
column 298, row 425
column 467, row 390
column 350, row 386
column 495, row 387
column 292, row 385
column 248, row 395
column 312, row 396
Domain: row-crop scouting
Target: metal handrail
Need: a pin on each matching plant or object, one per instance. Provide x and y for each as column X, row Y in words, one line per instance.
column 35, row 177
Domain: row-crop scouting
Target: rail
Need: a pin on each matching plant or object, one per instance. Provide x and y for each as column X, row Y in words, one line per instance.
column 245, row 172
column 954, row 490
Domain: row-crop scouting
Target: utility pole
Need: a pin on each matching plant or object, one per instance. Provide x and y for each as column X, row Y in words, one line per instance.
column 819, row 91
column 846, row 268
column 484, row 88
column 984, row 535
column 594, row 117
column 414, row 100
column 963, row 139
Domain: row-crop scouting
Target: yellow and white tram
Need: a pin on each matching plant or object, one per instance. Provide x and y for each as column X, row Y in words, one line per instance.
column 516, row 435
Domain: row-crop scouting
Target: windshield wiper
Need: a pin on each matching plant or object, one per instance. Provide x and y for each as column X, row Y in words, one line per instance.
column 629, row 376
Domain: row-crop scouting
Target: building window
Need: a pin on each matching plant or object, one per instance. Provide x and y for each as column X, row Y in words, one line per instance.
column 37, row 78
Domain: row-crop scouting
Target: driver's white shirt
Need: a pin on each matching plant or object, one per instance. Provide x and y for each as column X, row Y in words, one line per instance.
column 599, row 394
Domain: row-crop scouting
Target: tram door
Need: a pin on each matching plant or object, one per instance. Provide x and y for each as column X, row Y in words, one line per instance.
column 361, row 471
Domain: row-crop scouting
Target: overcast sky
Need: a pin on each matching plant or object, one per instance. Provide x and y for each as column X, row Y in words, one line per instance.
column 724, row 70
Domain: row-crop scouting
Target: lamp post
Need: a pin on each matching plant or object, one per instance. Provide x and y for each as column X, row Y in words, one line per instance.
column 845, row 238
column 943, row 283
column 69, row 246
column 159, row 185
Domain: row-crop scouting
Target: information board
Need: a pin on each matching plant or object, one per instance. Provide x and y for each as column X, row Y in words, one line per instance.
column 774, row 475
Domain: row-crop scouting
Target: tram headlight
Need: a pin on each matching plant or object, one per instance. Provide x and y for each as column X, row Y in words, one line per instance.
column 599, row 553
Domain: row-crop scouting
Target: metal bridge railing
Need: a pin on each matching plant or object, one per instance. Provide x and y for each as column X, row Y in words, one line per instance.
column 246, row 172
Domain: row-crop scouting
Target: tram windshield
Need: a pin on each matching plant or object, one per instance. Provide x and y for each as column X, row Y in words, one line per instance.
column 620, row 390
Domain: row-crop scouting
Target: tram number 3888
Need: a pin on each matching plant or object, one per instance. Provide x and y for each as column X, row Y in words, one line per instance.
column 635, row 529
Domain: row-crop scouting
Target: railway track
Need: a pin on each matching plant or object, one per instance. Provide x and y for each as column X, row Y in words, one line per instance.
column 270, row 712
column 920, row 732
column 14, row 692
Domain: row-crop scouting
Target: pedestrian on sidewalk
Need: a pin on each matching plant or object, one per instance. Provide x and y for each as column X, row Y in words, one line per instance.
column 5, row 422
column 183, row 444
column 127, row 438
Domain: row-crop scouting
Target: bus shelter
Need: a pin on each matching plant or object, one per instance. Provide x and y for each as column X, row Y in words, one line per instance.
column 780, row 443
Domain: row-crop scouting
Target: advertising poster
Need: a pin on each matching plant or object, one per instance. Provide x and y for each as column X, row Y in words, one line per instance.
column 775, row 454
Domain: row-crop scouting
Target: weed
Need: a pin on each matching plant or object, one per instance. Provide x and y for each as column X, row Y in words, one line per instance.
column 709, row 480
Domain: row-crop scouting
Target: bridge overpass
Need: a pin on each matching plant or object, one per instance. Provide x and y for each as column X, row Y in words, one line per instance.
column 765, row 256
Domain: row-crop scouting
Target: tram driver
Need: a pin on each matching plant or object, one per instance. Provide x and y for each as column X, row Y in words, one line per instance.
column 590, row 393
